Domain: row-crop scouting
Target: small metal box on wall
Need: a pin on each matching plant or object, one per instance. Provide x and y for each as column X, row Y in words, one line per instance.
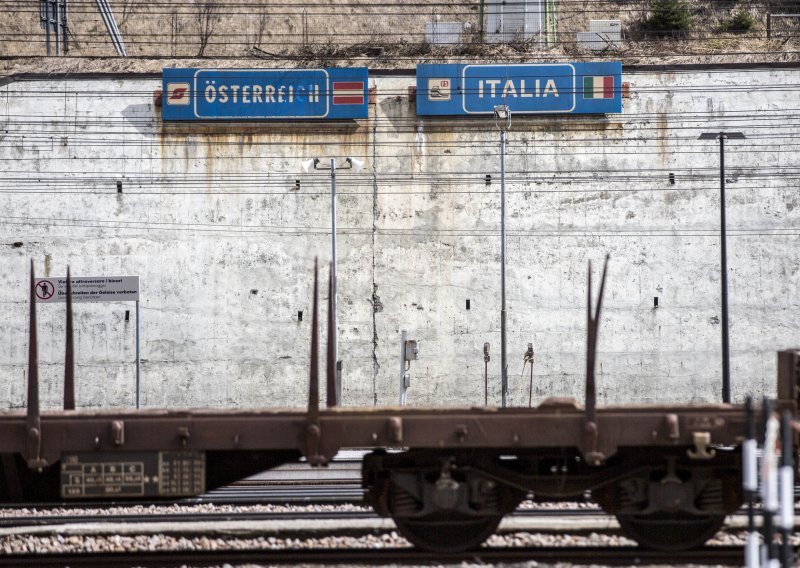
column 602, row 35
column 511, row 21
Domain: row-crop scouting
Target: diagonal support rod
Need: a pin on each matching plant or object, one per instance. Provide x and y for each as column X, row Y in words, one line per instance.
column 592, row 325
column 313, row 431
column 112, row 27
column 33, row 422
column 313, row 377
column 330, row 365
column 69, row 353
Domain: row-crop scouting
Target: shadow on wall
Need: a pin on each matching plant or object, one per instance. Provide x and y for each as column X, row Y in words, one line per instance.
column 140, row 117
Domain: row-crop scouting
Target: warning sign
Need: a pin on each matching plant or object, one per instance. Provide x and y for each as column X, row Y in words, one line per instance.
column 91, row 289
column 44, row 290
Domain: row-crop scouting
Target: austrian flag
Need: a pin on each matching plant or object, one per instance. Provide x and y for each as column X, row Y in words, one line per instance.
column 598, row 87
column 348, row 93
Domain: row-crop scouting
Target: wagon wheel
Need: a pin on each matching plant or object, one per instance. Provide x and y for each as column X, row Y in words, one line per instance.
column 442, row 532
column 664, row 531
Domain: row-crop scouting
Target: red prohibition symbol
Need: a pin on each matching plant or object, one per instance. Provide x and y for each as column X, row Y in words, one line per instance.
column 45, row 290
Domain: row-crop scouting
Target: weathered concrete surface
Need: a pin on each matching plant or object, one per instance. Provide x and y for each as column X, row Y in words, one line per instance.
column 223, row 243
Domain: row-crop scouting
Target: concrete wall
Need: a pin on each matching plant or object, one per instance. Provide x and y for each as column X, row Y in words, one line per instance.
column 210, row 220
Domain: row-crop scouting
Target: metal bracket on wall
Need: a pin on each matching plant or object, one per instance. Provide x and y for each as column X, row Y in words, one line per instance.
column 53, row 19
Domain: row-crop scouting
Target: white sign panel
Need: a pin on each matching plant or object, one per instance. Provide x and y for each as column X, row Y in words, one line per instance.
column 89, row 289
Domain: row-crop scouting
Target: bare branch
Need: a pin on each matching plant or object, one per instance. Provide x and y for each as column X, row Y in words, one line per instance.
column 207, row 18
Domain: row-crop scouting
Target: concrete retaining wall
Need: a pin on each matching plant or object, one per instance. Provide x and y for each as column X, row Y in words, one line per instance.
column 212, row 220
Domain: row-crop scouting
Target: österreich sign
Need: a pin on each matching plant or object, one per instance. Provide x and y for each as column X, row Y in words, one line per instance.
column 88, row 289
column 265, row 94
column 552, row 88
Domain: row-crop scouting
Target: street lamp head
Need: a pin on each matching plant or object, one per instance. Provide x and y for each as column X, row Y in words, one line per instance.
column 355, row 164
column 726, row 135
column 502, row 117
column 307, row 165
column 501, row 112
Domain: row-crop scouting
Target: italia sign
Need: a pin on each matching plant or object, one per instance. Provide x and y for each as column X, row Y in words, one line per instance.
column 552, row 88
column 265, row 94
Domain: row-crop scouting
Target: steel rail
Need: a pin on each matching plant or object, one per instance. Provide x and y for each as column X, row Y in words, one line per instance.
column 233, row 495
column 295, row 494
column 610, row 556
column 144, row 518
column 40, row 520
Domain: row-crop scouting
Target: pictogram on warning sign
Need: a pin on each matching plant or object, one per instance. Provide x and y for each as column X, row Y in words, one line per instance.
column 45, row 289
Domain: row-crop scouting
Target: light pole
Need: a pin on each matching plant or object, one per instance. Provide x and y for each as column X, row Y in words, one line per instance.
column 726, row 370
column 502, row 117
column 349, row 164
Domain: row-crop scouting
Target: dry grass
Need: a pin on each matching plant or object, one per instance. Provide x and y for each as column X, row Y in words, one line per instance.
column 320, row 33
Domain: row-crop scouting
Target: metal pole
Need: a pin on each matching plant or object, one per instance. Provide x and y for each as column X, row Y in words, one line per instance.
column 335, row 337
column 138, row 383
column 486, row 347
column 529, row 359
column 486, row 382
column 69, row 352
column 65, row 27
column 57, row 26
column 47, row 25
column 503, row 361
column 786, row 516
column 769, row 484
column 726, row 371
column 480, row 20
column 750, row 485
column 402, row 367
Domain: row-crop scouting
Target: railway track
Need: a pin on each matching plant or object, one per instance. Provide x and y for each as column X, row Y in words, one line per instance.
column 293, row 487
column 610, row 556
column 283, row 547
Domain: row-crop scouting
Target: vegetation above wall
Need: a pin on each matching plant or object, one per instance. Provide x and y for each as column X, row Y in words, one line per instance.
column 395, row 34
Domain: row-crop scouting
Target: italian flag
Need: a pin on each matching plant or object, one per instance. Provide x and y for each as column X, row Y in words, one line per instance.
column 598, row 87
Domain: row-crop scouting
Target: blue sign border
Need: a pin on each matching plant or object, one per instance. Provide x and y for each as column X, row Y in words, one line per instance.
column 466, row 90
column 245, row 87
column 463, row 98
column 216, row 73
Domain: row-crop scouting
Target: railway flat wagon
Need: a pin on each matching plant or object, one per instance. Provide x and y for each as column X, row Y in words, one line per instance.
column 670, row 474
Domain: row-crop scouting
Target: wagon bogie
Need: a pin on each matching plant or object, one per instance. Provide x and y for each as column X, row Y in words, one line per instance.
column 439, row 500
column 654, row 493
